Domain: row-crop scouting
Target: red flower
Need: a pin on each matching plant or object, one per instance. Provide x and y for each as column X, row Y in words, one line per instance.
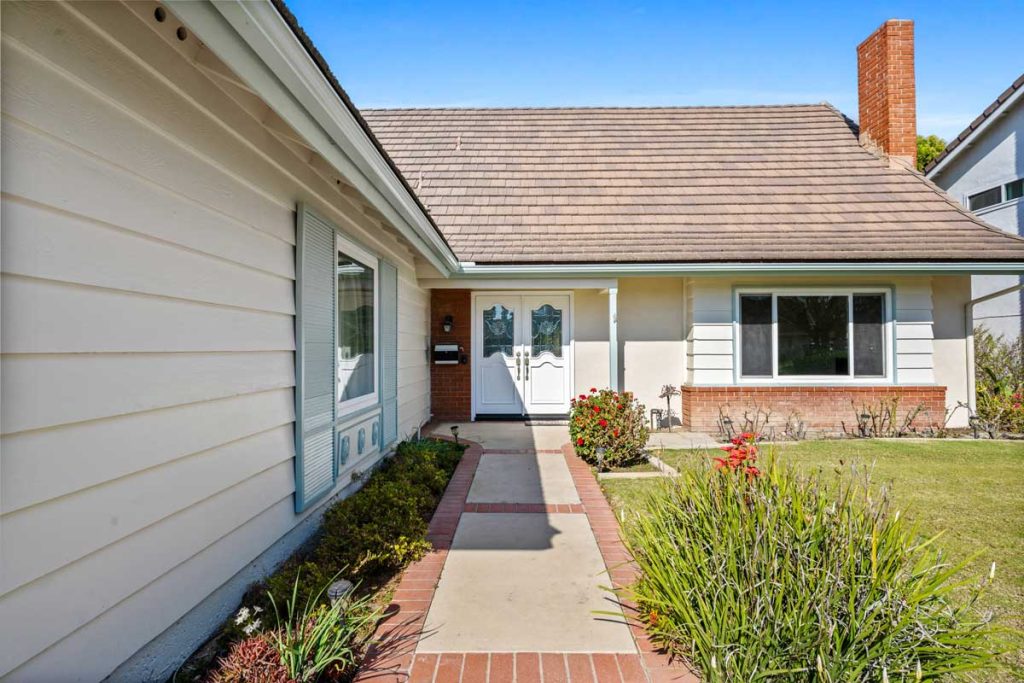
column 720, row 463
column 579, row 441
column 597, row 409
column 747, row 436
column 753, row 472
column 621, row 406
column 603, row 422
column 583, row 397
column 593, row 390
column 615, row 432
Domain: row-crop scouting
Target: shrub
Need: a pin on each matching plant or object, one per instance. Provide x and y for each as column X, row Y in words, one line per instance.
column 609, row 420
column 787, row 578
column 322, row 638
column 999, row 374
column 252, row 660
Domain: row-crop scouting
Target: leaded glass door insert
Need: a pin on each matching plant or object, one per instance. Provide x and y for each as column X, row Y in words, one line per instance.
column 498, row 355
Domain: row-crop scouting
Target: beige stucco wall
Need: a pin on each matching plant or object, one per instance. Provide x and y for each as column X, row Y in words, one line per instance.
column 148, row 314
column 951, row 295
column 678, row 330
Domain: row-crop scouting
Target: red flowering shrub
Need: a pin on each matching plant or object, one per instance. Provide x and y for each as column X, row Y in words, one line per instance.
column 253, row 660
column 610, row 420
column 741, row 454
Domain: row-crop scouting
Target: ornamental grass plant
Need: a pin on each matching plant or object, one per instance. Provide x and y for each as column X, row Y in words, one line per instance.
column 755, row 572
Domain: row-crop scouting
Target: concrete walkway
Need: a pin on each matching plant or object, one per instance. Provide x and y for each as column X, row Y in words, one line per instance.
column 525, row 543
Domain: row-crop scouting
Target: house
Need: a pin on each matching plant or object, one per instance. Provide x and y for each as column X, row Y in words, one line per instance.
column 224, row 290
column 983, row 168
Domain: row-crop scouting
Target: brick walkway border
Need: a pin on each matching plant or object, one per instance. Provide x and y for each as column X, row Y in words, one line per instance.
column 393, row 659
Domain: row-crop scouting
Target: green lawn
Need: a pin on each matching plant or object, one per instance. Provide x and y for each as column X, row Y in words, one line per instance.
column 973, row 491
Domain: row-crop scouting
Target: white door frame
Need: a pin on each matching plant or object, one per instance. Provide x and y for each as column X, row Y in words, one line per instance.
column 476, row 340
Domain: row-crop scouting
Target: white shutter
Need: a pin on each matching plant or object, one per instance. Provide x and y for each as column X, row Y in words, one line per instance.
column 315, row 325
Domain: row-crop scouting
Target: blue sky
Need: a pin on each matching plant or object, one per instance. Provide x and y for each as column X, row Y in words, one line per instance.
column 406, row 54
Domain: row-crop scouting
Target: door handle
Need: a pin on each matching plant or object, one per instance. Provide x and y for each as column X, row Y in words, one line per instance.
column 519, row 361
column 526, row 365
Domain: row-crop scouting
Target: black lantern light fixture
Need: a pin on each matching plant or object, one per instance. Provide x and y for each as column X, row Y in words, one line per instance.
column 448, row 323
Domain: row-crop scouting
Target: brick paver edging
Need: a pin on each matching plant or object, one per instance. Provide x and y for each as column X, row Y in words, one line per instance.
column 622, row 570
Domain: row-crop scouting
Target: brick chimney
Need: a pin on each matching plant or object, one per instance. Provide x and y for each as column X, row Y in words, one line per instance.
column 885, row 88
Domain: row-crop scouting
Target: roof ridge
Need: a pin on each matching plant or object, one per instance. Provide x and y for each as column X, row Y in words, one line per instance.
column 597, row 107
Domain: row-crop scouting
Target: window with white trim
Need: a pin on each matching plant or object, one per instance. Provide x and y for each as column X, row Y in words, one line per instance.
column 357, row 357
column 806, row 335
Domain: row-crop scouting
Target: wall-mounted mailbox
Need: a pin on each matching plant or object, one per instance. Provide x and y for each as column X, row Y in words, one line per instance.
column 446, row 354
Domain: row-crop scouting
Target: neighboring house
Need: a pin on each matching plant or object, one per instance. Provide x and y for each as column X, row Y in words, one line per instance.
column 220, row 296
column 983, row 168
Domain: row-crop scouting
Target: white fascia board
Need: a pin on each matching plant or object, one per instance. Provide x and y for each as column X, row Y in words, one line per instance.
column 471, row 271
column 532, row 283
column 1004, row 108
column 257, row 44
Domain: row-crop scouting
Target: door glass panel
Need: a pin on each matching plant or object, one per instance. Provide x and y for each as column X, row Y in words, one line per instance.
column 499, row 328
column 547, row 330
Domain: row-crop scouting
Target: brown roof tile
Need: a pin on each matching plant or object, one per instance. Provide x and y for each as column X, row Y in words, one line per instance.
column 775, row 183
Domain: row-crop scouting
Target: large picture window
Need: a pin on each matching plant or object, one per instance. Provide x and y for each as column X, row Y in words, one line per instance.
column 819, row 334
column 357, row 326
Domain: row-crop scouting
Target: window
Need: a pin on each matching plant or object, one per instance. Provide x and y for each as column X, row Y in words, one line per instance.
column 813, row 335
column 985, row 199
column 1015, row 190
column 357, row 325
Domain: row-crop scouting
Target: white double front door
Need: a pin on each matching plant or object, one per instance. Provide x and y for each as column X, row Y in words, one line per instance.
column 522, row 354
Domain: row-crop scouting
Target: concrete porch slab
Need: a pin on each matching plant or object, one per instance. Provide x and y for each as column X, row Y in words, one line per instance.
column 510, row 436
column 524, row 582
column 532, row 478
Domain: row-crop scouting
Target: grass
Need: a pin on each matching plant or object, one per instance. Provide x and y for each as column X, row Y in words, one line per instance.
column 973, row 491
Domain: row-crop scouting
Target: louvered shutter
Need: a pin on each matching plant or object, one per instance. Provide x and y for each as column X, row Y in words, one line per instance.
column 388, row 353
column 315, row 312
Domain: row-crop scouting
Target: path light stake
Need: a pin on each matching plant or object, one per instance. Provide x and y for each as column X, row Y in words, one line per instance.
column 600, row 451
column 455, row 432
column 339, row 590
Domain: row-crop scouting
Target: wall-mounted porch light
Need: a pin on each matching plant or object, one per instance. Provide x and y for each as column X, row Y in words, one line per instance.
column 448, row 323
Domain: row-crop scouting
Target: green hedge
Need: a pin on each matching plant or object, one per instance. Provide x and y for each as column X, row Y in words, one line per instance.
column 367, row 538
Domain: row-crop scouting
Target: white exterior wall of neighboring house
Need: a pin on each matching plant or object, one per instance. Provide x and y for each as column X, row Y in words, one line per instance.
column 148, row 338
column 994, row 157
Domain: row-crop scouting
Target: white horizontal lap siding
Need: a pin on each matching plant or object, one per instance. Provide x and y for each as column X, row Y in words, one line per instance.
column 147, row 331
column 711, row 332
column 915, row 346
column 413, row 339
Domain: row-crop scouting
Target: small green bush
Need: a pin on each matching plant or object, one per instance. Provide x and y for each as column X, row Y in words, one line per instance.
column 999, row 374
column 768, row 575
column 609, row 420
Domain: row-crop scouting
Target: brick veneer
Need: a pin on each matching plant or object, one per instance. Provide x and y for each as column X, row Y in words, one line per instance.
column 451, row 385
column 821, row 409
column 885, row 88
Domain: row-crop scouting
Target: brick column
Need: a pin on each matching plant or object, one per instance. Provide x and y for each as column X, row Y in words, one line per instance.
column 451, row 385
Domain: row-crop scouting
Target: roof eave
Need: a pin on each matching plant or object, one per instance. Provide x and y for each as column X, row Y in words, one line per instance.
column 470, row 270
column 965, row 141
column 259, row 45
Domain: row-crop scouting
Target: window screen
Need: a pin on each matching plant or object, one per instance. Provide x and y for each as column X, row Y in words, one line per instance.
column 868, row 335
column 814, row 335
column 1015, row 190
column 355, row 328
column 756, row 334
column 986, row 198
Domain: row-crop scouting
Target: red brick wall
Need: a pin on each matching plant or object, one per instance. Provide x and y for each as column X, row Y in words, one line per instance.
column 885, row 88
column 822, row 409
column 451, row 385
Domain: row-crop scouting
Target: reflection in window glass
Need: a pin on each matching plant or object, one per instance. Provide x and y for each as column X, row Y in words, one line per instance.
column 547, row 330
column 868, row 335
column 756, row 334
column 499, row 328
column 355, row 328
column 813, row 335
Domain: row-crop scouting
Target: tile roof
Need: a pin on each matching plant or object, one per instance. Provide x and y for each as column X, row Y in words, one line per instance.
column 696, row 184
column 973, row 125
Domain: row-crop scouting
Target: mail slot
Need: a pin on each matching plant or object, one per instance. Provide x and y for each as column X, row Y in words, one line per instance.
column 446, row 354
